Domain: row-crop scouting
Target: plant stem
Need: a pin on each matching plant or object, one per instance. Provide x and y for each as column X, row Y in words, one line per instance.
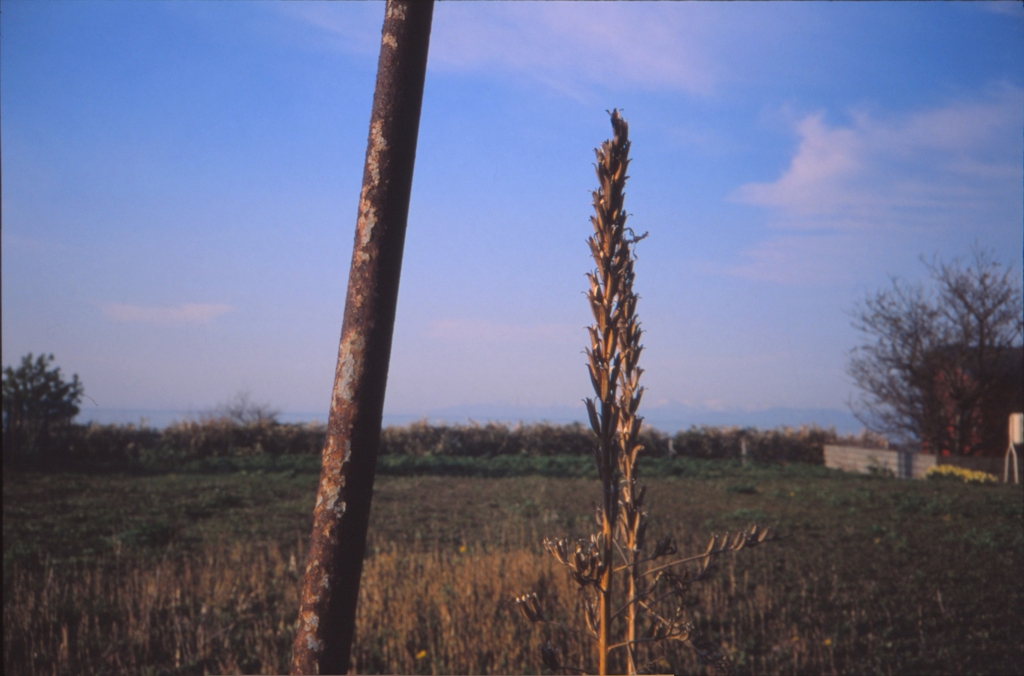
column 613, row 353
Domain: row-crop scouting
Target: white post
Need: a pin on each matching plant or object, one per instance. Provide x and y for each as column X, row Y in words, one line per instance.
column 1016, row 434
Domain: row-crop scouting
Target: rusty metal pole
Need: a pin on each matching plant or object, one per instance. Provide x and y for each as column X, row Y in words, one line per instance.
column 335, row 561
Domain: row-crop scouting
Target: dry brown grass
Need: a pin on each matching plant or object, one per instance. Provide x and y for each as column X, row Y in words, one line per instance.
column 232, row 610
column 225, row 610
column 881, row 576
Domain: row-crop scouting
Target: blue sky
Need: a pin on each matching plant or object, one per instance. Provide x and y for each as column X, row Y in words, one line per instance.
column 180, row 182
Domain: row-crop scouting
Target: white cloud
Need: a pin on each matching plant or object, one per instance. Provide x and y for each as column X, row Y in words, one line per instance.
column 927, row 166
column 355, row 29
column 801, row 259
column 483, row 332
column 931, row 171
column 815, row 180
column 568, row 47
column 186, row 313
column 564, row 45
column 1013, row 8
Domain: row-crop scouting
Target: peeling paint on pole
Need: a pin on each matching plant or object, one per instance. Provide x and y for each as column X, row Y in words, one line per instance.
column 334, row 564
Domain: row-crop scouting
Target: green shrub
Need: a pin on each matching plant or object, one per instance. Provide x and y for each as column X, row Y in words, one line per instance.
column 220, row 445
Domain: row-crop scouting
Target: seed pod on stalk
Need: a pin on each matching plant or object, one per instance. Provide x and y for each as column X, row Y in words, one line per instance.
column 613, row 356
column 652, row 595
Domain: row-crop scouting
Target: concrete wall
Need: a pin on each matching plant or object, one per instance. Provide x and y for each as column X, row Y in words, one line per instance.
column 901, row 464
column 865, row 460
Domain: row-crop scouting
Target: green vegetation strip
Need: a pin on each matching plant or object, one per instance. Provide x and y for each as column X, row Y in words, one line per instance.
column 565, row 466
column 215, row 445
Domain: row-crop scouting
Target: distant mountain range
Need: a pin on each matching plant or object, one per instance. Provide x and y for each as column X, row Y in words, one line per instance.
column 669, row 418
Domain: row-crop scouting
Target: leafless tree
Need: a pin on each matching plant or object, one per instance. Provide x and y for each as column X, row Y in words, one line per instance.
column 242, row 410
column 942, row 367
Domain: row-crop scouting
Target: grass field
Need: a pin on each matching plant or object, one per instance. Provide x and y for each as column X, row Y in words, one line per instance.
column 194, row 573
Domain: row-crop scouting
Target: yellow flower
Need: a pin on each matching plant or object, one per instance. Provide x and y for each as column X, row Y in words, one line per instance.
column 827, row 642
column 792, row 494
column 462, row 549
column 966, row 475
column 421, row 654
column 877, row 540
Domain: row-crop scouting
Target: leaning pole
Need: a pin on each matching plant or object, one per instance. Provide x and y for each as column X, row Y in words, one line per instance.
column 334, row 563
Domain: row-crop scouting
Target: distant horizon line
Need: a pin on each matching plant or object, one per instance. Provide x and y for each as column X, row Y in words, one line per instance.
column 666, row 418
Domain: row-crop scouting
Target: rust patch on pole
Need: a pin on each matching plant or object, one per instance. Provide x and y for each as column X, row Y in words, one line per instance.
column 335, row 560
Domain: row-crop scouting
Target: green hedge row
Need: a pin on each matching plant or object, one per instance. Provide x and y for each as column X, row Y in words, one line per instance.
column 500, row 466
column 113, row 446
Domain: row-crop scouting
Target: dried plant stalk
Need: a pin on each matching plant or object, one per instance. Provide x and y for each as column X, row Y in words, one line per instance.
column 609, row 295
column 613, row 358
column 613, row 355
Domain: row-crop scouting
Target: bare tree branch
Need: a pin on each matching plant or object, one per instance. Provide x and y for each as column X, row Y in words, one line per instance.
column 940, row 365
